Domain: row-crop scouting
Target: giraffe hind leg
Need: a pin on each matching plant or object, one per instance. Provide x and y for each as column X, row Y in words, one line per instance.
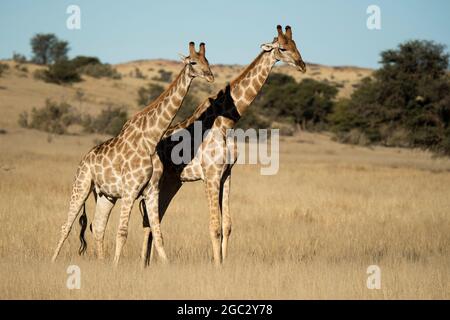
column 226, row 217
column 122, row 231
column 169, row 186
column 145, row 253
column 80, row 191
column 102, row 212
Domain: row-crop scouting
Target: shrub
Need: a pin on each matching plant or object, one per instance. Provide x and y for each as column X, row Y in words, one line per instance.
column 19, row 58
column 3, row 68
column 164, row 76
column 110, row 121
column 306, row 104
column 406, row 103
column 53, row 117
column 21, row 68
column 97, row 70
column 81, row 61
column 138, row 74
column 355, row 136
column 149, row 93
column 23, row 119
column 60, row 72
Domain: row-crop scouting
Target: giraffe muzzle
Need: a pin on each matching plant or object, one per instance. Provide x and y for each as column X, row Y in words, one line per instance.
column 301, row 66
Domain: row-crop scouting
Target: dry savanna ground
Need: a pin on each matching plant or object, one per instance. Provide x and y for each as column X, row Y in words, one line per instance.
column 310, row 231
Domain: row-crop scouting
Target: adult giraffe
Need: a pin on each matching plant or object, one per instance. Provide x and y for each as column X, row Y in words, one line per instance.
column 219, row 113
column 122, row 166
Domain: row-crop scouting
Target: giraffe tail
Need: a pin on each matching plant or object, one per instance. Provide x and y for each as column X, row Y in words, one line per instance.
column 83, row 224
column 143, row 210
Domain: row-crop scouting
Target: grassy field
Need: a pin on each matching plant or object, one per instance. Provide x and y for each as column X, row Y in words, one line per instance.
column 310, row 231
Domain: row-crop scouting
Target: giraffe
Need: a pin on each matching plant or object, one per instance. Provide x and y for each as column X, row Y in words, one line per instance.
column 219, row 113
column 122, row 166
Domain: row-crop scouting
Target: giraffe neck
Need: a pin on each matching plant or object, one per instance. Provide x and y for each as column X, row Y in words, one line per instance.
column 157, row 117
column 247, row 85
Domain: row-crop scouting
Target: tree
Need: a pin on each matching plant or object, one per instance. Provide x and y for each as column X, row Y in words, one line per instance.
column 306, row 104
column 410, row 94
column 59, row 51
column 47, row 48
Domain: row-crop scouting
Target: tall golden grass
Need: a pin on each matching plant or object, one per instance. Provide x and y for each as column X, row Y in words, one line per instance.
column 310, row 231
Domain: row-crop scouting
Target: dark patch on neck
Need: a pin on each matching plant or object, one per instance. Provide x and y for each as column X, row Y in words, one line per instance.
column 222, row 105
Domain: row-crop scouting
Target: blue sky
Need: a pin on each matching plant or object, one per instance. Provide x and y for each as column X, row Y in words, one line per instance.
column 330, row 32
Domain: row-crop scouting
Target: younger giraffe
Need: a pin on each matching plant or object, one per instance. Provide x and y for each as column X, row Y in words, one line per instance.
column 217, row 114
column 122, row 166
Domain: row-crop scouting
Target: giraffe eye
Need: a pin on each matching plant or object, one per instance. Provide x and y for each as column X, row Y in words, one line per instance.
column 193, row 63
column 282, row 49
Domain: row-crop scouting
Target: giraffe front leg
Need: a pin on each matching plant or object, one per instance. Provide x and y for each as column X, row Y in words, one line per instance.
column 226, row 217
column 212, row 191
column 122, row 231
column 151, row 196
column 102, row 211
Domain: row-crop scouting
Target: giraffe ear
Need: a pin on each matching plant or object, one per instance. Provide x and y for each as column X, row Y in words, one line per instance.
column 269, row 46
column 183, row 58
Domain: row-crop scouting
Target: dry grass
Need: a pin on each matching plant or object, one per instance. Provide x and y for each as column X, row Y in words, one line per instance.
column 310, row 231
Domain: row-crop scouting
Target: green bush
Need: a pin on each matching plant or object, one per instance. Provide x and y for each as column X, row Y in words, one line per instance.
column 60, row 72
column 82, row 61
column 97, row 70
column 69, row 71
column 149, row 93
column 164, row 76
column 110, row 121
column 53, row 117
column 406, row 103
column 306, row 104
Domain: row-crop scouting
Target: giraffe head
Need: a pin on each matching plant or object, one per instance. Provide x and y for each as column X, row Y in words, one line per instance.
column 198, row 65
column 285, row 49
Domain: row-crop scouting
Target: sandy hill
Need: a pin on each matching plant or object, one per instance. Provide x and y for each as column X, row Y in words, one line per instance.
column 19, row 91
